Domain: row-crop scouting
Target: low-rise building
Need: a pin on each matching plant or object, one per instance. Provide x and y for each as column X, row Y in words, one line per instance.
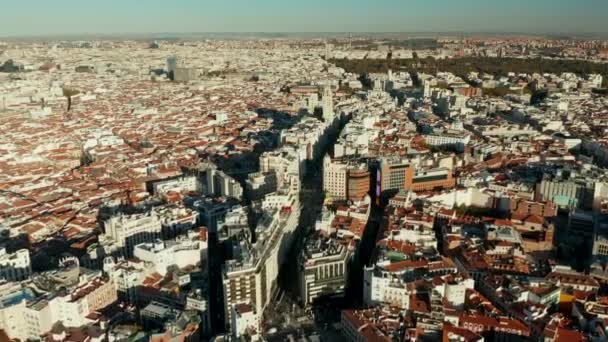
column 453, row 140
column 15, row 266
column 162, row 255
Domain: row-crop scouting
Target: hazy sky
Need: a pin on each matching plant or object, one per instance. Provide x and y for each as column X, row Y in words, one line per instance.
column 47, row 17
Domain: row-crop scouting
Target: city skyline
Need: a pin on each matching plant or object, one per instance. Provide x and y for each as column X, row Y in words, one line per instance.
column 68, row 17
column 266, row 170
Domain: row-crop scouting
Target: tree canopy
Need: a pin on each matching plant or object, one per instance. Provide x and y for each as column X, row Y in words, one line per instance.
column 461, row 66
column 69, row 92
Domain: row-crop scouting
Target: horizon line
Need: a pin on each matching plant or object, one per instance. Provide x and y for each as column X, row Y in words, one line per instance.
column 177, row 34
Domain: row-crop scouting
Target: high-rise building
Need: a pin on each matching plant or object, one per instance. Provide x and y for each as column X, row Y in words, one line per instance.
column 393, row 174
column 577, row 193
column 345, row 181
column 334, row 179
column 217, row 183
column 171, row 66
column 581, row 223
column 358, row 182
column 251, row 276
column 323, row 268
column 328, row 104
column 328, row 48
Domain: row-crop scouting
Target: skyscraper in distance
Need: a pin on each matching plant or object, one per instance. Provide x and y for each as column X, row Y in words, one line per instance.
column 328, row 103
column 171, row 66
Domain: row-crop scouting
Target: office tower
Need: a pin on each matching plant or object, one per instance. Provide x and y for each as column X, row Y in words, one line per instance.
column 171, row 66
column 328, row 104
